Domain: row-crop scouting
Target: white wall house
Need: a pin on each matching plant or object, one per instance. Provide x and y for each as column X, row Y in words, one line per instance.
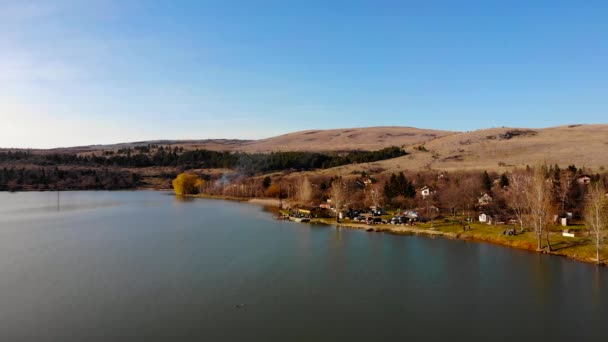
column 584, row 179
column 425, row 192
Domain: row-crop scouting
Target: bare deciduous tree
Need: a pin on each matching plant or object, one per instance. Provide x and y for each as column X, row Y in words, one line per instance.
column 375, row 194
column 304, row 190
column 596, row 214
column 469, row 191
column 450, row 196
column 338, row 195
column 431, row 210
column 517, row 198
column 565, row 183
column 541, row 209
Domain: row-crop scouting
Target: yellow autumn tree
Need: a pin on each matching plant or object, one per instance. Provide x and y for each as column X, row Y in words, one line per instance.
column 187, row 183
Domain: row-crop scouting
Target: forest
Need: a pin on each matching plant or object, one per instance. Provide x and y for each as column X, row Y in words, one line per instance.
column 122, row 169
column 55, row 178
column 249, row 163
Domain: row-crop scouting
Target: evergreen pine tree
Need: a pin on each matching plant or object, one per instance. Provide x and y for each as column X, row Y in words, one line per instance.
column 486, row 181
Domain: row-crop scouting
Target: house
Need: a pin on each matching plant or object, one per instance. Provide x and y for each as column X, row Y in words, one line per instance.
column 425, row 192
column 583, row 179
column 484, row 218
column 485, row 199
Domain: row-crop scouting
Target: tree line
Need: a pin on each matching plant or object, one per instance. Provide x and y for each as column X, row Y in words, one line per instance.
column 54, row 178
column 249, row 163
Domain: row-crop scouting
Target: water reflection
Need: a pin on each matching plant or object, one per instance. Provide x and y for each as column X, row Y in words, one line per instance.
column 144, row 265
column 183, row 199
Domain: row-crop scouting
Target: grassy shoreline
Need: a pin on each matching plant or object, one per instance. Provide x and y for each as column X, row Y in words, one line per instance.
column 578, row 248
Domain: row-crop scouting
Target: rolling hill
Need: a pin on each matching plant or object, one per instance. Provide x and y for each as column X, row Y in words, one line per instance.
column 490, row 149
column 504, row 148
column 368, row 139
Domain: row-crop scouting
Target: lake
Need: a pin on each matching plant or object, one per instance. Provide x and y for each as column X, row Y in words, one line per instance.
column 127, row 265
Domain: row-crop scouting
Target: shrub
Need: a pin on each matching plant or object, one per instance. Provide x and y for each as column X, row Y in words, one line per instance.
column 187, row 184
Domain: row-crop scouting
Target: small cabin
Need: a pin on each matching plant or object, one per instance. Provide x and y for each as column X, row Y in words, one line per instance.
column 583, row 179
column 485, row 199
column 425, row 192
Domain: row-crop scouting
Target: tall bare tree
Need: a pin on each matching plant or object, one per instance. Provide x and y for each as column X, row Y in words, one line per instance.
column 596, row 214
column 541, row 209
column 469, row 191
column 517, row 198
column 565, row 184
column 338, row 193
column 450, row 196
column 375, row 194
column 304, row 190
column 431, row 210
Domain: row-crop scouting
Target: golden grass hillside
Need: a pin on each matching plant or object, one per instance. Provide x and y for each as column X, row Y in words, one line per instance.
column 495, row 149
column 370, row 138
column 500, row 149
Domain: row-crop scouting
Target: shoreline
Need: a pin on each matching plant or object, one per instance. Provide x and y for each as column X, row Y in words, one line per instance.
column 464, row 236
column 469, row 235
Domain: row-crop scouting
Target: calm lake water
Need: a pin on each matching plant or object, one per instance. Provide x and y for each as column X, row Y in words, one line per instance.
column 121, row 266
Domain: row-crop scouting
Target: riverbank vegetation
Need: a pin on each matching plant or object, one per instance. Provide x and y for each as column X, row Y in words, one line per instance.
column 545, row 208
column 187, row 183
column 560, row 208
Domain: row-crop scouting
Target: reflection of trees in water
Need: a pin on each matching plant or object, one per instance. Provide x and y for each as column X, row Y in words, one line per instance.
column 183, row 199
column 598, row 273
column 541, row 278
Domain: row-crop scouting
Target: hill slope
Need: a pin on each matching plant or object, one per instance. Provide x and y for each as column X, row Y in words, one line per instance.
column 370, row 138
column 490, row 149
column 503, row 148
column 348, row 139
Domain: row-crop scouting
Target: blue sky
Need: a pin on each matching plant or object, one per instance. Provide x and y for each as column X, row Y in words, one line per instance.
column 101, row 71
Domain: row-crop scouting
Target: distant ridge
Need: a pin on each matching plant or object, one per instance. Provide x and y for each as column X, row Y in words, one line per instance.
column 493, row 148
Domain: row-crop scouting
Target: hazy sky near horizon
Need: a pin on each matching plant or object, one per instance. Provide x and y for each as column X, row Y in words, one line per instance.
column 101, row 71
